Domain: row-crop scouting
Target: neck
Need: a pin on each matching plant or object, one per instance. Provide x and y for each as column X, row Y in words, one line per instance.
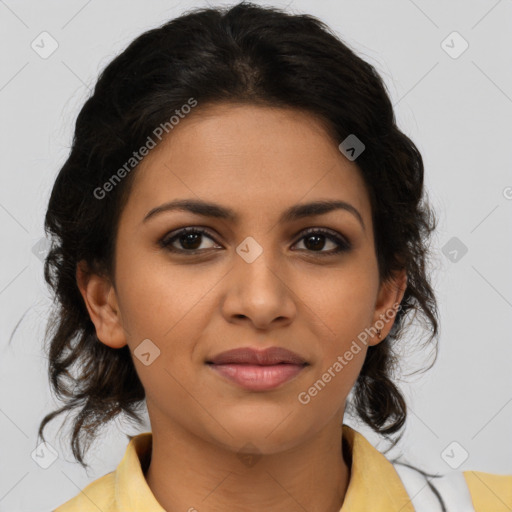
column 187, row 473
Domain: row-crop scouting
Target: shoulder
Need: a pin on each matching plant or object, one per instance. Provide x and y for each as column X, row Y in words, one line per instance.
column 489, row 492
column 120, row 490
column 98, row 495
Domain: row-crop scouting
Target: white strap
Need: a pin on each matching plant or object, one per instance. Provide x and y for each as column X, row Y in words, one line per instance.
column 451, row 487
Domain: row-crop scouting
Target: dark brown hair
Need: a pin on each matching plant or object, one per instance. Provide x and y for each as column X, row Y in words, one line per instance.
column 244, row 54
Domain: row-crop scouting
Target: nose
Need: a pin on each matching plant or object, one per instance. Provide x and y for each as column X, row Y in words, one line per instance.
column 259, row 292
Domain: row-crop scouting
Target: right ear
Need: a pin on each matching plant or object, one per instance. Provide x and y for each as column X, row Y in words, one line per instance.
column 101, row 301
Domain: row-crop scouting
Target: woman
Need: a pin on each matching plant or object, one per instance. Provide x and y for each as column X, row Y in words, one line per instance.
column 239, row 237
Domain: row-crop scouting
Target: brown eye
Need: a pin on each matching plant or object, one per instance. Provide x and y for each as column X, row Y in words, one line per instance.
column 188, row 238
column 314, row 241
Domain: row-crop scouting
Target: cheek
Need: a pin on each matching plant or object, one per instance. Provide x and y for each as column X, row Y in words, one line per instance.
column 325, row 395
column 346, row 306
column 171, row 307
column 345, row 301
column 159, row 299
column 166, row 309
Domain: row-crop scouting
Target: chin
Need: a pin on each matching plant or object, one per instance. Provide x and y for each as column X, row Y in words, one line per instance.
column 267, row 431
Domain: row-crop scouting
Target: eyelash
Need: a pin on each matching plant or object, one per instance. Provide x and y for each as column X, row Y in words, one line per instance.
column 343, row 245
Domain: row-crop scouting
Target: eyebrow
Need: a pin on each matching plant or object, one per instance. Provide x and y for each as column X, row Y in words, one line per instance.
column 296, row 212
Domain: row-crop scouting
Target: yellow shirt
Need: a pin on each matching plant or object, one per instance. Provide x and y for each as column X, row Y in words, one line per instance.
column 374, row 484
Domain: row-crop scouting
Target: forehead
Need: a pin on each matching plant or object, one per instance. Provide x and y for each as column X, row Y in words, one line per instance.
column 251, row 158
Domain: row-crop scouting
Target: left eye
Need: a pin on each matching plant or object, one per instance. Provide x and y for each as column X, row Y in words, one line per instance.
column 314, row 237
column 190, row 240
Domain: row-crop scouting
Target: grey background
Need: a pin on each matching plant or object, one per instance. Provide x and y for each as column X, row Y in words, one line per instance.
column 457, row 110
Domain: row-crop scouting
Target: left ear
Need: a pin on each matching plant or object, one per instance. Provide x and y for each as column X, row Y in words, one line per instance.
column 388, row 301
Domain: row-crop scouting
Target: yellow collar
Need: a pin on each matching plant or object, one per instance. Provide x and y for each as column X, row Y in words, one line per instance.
column 374, row 484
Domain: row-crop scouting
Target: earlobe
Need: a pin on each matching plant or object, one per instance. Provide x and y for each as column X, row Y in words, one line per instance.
column 388, row 302
column 100, row 299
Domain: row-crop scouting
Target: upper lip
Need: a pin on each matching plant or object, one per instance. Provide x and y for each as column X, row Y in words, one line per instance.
column 248, row 355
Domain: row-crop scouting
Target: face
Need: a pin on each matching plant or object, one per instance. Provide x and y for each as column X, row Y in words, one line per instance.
column 308, row 284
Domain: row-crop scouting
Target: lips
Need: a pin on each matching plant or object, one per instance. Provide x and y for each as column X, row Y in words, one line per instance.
column 258, row 370
column 270, row 356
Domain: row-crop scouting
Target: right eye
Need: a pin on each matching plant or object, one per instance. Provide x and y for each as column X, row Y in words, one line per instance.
column 189, row 238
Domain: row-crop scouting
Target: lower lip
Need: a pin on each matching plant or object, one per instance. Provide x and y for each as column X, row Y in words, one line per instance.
column 256, row 377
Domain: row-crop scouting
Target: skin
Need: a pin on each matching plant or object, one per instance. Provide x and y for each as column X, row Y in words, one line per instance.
column 257, row 161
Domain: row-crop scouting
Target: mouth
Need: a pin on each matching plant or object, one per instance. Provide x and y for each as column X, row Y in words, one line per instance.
column 257, row 370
